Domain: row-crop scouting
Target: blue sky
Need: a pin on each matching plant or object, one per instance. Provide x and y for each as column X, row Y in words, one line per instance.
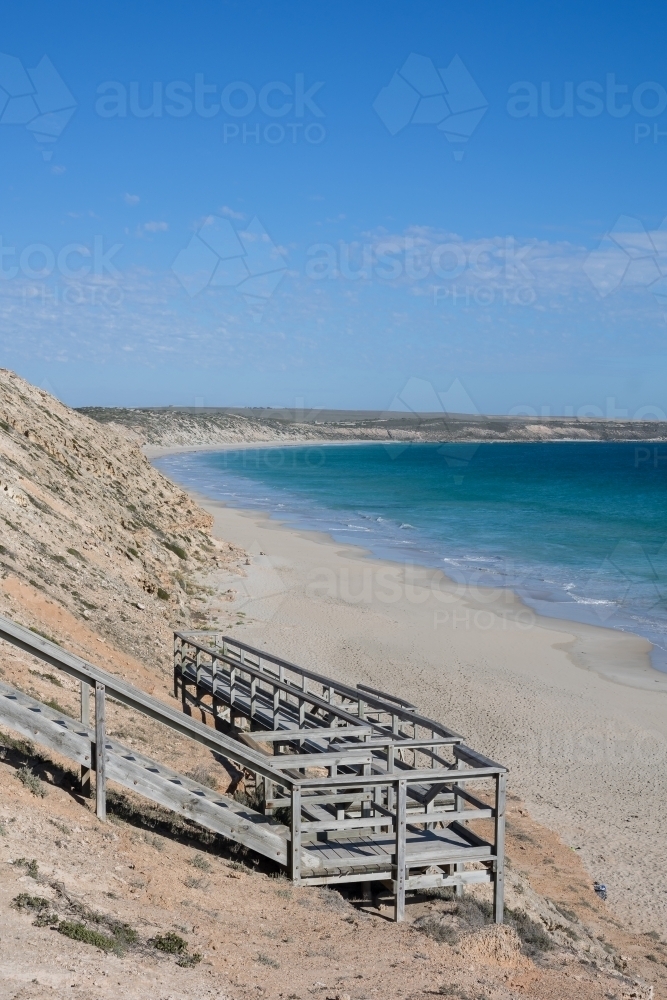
column 206, row 203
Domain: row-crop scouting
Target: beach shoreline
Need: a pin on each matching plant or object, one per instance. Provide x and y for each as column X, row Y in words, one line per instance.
column 566, row 614
column 153, row 452
column 618, row 656
column 568, row 708
column 576, row 711
column 571, row 709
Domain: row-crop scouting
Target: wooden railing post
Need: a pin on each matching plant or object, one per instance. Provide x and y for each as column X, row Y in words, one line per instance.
column 178, row 657
column 215, row 702
column 366, row 807
column 399, row 856
column 390, row 768
column 499, row 849
column 276, row 706
column 184, row 650
column 269, row 793
column 100, row 753
column 85, row 719
column 459, row 804
column 253, row 698
column 295, row 839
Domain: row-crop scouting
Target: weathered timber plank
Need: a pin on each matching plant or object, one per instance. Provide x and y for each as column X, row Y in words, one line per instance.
column 474, row 877
column 100, row 753
column 499, row 850
column 15, row 713
column 474, row 758
column 85, row 719
column 425, row 775
column 399, row 860
column 128, row 695
column 331, row 824
column 147, row 777
column 314, row 732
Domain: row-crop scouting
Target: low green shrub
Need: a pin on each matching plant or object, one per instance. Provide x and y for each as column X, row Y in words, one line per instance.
column 77, row 931
column 253, row 799
column 123, row 934
column 532, row 934
column 199, row 861
column 24, row 901
column 31, row 867
column 176, row 549
column 283, row 814
column 187, row 961
column 38, row 631
column 267, row 960
column 56, row 706
column 170, row 943
column 438, row 930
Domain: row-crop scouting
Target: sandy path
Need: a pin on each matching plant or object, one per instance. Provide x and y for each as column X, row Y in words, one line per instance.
column 576, row 712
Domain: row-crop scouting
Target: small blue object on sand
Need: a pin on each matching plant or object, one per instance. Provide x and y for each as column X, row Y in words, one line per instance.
column 601, row 889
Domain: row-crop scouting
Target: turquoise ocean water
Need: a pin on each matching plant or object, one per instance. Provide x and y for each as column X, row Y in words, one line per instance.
column 578, row 530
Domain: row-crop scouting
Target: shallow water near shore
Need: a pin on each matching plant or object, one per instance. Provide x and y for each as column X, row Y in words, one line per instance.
column 577, row 529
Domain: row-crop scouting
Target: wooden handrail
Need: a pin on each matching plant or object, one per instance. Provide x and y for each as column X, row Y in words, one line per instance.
column 138, row 700
column 422, row 776
column 308, row 696
column 401, row 784
column 387, row 697
column 345, row 689
column 474, row 758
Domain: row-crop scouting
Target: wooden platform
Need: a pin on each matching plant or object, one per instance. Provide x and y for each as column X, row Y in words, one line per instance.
column 394, row 803
column 354, row 784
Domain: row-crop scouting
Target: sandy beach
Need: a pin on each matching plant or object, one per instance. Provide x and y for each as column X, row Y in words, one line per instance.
column 576, row 712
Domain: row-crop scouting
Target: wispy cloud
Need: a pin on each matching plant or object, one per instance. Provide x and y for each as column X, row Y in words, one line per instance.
column 152, row 227
column 231, row 214
column 131, row 199
column 475, row 318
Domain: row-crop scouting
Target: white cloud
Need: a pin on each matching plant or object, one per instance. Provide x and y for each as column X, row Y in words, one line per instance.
column 346, row 321
column 231, row 214
column 131, row 199
column 152, row 227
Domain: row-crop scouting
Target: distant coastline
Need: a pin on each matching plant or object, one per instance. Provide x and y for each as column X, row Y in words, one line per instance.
column 192, row 428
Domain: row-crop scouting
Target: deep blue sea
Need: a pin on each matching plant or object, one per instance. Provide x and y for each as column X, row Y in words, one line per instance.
column 579, row 530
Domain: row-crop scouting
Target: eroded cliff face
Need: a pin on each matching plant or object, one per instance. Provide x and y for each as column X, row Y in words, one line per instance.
column 86, row 521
